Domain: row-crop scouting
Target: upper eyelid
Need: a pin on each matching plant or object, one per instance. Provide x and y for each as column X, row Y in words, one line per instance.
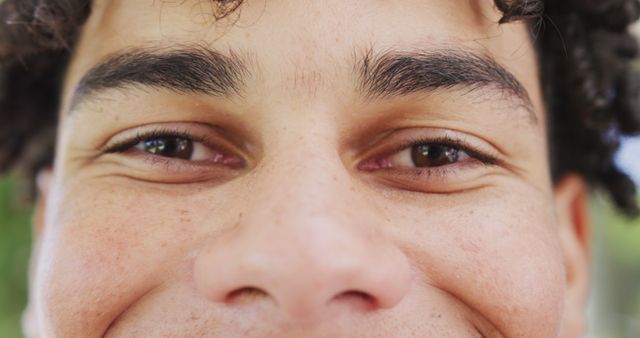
column 401, row 138
column 457, row 143
column 131, row 141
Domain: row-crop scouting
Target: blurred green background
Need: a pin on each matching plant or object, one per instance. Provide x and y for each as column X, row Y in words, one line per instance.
column 615, row 297
column 15, row 241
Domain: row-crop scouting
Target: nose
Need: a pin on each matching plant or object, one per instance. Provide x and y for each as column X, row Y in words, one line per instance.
column 309, row 250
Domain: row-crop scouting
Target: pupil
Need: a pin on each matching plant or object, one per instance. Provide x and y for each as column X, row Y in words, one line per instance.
column 173, row 147
column 427, row 155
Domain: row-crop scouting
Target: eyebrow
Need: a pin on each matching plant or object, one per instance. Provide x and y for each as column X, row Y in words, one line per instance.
column 395, row 73
column 202, row 70
column 192, row 69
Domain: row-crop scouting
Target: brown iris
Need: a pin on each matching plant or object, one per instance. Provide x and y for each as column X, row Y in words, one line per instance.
column 174, row 147
column 433, row 155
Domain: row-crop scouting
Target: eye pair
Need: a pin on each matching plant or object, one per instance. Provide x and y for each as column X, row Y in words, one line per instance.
column 414, row 159
column 423, row 154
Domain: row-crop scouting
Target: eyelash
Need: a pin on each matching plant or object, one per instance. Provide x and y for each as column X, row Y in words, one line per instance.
column 446, row 141
column 128, row 144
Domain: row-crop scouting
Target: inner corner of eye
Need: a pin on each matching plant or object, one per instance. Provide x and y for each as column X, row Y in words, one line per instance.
column 371, row 164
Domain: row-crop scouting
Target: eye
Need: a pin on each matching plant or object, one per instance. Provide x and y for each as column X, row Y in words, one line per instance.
column 171, row 145
column 426, row 155
column 178, row 148
column 429, row 155
column 435, row 155
column 431, row 161
column 174, row 147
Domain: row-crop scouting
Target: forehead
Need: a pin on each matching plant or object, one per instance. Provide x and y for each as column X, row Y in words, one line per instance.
column 308, row 43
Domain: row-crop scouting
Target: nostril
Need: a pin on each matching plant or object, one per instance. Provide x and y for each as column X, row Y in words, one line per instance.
column 358, row 299
column 245, row 294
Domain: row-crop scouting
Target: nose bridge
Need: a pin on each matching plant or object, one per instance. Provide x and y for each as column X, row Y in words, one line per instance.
column 309, row 186
column 304, row 175
column 305, row 212
column 305, row 240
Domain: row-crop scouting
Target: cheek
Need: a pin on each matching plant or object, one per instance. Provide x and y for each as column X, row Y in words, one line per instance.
column 496, row 252
column 104, row 249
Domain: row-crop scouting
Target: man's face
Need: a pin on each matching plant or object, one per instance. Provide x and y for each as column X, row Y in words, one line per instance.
column 303, row 169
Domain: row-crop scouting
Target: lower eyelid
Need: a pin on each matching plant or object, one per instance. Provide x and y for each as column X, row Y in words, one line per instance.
column 155, row 164
column 447, row 178
column 155, row 169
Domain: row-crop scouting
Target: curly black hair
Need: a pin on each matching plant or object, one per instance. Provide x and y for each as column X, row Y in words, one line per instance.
column 585, row 51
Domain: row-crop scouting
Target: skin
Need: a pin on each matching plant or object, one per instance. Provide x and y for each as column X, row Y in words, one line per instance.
column 303, row 239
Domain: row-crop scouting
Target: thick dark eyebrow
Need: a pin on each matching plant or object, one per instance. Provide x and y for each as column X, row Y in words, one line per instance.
column 194, row 69
column 402, row 73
